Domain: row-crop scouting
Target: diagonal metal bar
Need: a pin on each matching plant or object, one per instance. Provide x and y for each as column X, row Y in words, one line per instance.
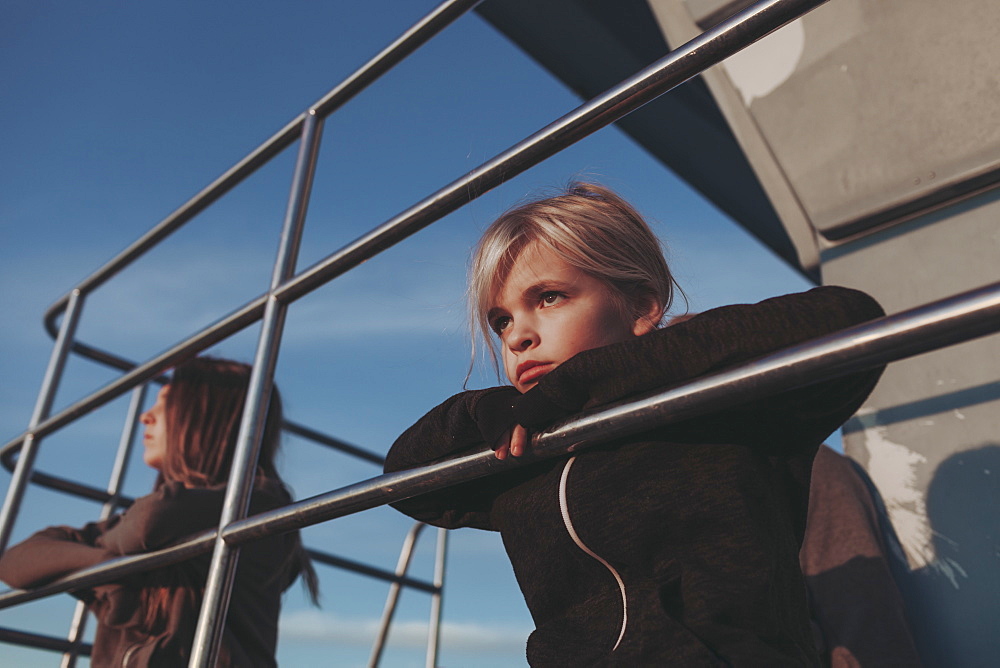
column 425, row 29
column 946, row 322
column 243, row 317
column 687, row 61
column 415, row 37
column 370, row 571
column 39, row 641
column 10, row 452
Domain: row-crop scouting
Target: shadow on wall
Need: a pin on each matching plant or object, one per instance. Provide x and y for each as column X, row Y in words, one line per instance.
column 955, row 617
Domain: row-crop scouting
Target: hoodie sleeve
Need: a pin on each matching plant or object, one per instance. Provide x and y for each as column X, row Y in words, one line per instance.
column 52, row 553
column 154, row 521
column 162, row 518
column 710, row 342
column 465, row 423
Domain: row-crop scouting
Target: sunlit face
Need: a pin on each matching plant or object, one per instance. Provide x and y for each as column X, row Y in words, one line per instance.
column 547, row 311
column 154, row 440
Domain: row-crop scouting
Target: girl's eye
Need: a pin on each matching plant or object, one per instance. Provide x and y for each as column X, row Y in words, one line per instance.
column 551, row 298
column 500, row 323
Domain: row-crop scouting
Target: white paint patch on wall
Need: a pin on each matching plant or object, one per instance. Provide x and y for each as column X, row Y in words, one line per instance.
column 893, row 469
column 763, row 66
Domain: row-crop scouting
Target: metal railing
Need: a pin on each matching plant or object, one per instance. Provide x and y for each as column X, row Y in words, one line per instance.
column 73, row 647
column 943, row 323
column 113, row 500
column 891, row 338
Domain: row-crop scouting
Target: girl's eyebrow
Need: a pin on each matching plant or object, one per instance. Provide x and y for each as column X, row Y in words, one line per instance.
column 546, row 285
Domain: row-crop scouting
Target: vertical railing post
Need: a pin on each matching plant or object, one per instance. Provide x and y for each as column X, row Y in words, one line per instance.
column 392, row 598
column 46, row 396
column 218, row 587
column 434, row 630
column 79, row 623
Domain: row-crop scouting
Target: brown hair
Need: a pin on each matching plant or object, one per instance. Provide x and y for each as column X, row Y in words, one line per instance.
column 589, row 227
column 203, row 412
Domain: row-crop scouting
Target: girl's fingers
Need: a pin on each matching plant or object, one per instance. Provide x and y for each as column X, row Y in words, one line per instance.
column 504, row 449
column 515, row 443
column 518, row 441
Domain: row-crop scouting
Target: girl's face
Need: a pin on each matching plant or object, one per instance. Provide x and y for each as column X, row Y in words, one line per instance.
column 154, row 440
column 547, row 311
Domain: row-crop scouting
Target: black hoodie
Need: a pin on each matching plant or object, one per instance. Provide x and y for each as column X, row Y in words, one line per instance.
column 676, row 547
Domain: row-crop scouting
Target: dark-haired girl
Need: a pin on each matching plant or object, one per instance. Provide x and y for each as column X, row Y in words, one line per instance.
column 149, row 619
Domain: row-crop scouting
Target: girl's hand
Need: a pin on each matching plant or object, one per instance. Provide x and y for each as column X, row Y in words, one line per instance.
column 516, row 444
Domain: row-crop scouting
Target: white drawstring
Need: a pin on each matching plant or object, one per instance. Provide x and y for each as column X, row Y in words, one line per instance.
column 564, row 508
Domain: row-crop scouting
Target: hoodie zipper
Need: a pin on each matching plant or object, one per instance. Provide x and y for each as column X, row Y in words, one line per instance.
column 564, row 509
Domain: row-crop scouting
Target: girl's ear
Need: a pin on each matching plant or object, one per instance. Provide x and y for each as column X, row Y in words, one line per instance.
column 650, row 316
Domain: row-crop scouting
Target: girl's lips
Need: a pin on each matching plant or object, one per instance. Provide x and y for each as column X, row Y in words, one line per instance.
column 532, row 371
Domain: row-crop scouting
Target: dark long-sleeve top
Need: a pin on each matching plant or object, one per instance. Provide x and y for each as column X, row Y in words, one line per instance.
column 266, row 568
column 675, row 547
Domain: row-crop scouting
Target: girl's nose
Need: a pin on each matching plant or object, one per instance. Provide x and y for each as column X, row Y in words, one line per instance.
column 146, row 418
column 522, row 338
column 523, row 345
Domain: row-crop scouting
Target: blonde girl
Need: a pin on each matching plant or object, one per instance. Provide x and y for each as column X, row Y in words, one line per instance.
column 675, row 547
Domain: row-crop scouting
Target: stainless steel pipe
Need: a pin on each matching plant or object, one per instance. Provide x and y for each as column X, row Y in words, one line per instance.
column 946, row 322
column 674, row 69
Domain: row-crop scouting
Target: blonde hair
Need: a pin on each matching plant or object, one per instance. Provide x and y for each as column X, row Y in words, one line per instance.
column 590, row 228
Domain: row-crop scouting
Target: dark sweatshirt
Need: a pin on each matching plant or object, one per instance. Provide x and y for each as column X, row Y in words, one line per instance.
column 675, row 547
column 266, row 568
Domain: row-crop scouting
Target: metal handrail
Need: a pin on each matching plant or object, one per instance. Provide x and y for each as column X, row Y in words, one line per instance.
column 307, row 124
column 398, row 580
column 9, row 454
column 429, row 26
column 371, row 571
column 942, row 323
column 413, row 38
column 40, row 641
column 675, row 68
column 417, row 35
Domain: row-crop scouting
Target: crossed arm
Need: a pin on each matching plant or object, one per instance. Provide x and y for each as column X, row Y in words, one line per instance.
column 152, row 522
column 502, row 419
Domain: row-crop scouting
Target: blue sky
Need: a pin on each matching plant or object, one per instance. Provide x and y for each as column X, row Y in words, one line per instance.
column 115, row 114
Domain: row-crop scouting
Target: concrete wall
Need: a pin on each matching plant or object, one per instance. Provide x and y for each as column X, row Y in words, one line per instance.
column 874, row 127
column 929, row 436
